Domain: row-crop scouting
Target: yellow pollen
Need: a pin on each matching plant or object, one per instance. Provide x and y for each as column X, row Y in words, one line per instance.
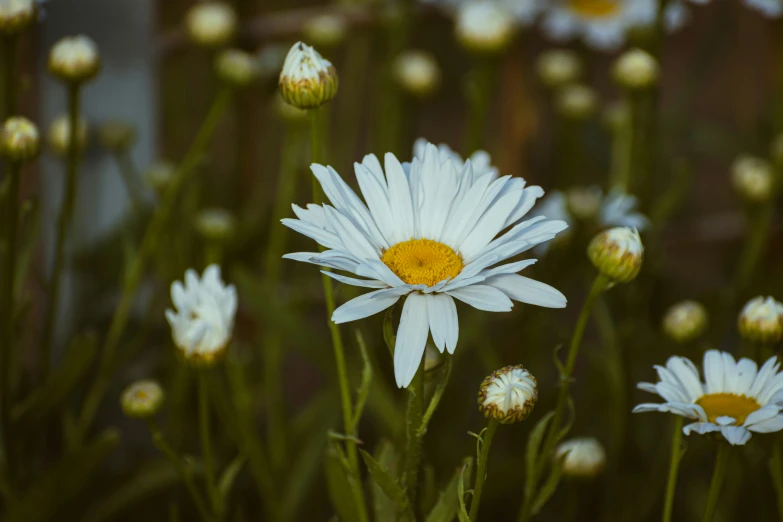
column 595, row 8
column 728, row 404
column 423, row 261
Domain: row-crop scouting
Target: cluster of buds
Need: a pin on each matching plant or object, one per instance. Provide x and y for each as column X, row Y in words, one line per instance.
column 685, row 321
column 142, row 399
column 558, row 67
column 59, row 136
column 19, row 140
column 307, row 80
column 508, row 395
column 753, row 178
column 617, row 253
column 576, row 101
column 484, row 27
column 761, row 320
column 636, row 69
column 211, row 24
column 583, row 457
column 417, row 73
column 74, row 59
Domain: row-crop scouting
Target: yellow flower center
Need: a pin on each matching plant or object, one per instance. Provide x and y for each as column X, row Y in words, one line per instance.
column 423, row 261
column 595, row 8
column 728, row 404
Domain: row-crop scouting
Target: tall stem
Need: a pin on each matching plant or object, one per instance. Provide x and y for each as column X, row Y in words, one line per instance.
column 486, row 444
column 413, row 418
column 674, row 466
column 63, row 226
column 721, row 459
column 206, row 443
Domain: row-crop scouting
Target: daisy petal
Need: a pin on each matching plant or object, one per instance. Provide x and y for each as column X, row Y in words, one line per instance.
column 411, row 339
column 483, row 297
column 365, row 305
column 444, row 324
column 526, row 290
column 735, row 435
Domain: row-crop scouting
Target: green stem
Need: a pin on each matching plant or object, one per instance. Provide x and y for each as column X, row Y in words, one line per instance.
column 718, row 474
column 206, row 443
column 187, row 477
column 479, row 91
column 337, row 341
column 753, row 251
column 135, row 270
column 413, row 419
column 674, row 466
column 63, row 226
column 129, row 179
column 486, row 444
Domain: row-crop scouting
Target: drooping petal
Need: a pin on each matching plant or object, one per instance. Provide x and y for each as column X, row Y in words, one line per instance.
column 365, row 305
column 526, row 290
column 411, row 339
column 444, row 324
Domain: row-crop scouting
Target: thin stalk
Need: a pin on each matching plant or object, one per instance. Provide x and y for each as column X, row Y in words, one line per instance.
column 63, row 226
column 479, row 91
column 674, row 465
column 753, row 251
column 486, row 444
column 413, row 418
column 206, row 443
column 718, row 473
column 149, row 243
column 128, row 174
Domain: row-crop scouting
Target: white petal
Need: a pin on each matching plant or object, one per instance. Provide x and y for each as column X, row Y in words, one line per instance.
column 411, row 339
column 714, row 371
column 686, row 373
column 736, row 435
column 762, row 414
column 488, row 226
column 444, row 325
column 483, row 297
column 365, row 305
column 768, row 426
column 400, row 199
column 526, row 290
column 353, row 239
column 367, row 283
column 322, row 236
column 700, row 427
column 510, row 268
column 746, row 374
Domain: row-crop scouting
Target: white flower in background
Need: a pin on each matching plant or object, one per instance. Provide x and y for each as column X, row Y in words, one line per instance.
column 15, row 15
column 216, row 223
column 769, row 8
column 479, row 160
column 753, row 178
column 617, row 253
column 416, row 72
column 558, row 67
column 427, row 231
column 576, row 101
column 203, row 319
column 685, row 321
column 602, row 24
column 19, row 139
column 307, row 80
column 484, row 26
column 735, row 399
column 211, row 24
column 74, row 59
column 508, row 395
column 584, row 457
column 636, row 69
column 142, row 399
column 524, row 11
column 761, row 320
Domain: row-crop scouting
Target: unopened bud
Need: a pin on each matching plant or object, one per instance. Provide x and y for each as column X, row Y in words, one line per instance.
column 484, row 27
column 685, row 321
column 307, row 80
column 215, row 223
column 236, row 67
column 211, row 24
column 761, row 320
column 558, row 67
column 617, row 253
column 576, row 101
column 19, row 140
column 74, row 59
column 117, row 135
column 59, row 135
column 417, row 73
column 508, row 395
column 584, row 457
column 16, row 15
column 636, row 69
column 753, row 178
column 142, row 399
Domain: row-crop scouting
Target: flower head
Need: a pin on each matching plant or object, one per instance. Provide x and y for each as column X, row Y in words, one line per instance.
column 215, row 223
column 142, row 399
column 484, row 26
column 19, row 140
column 74, row 59
column 117, row 135
column 617, row 253
column 753, row 178
column 429, row 230
column 761, row 320
column 769, row 8
column 735, row 399
column 685, row 321
column 417, row 73
column 211, row 24
column 508, row 395
column 307, row 80
column 16, row 15
column 584, row 457
column 636, row 69
column 326, row 30
column 203, row 319
column 576, row 101
column 559, row 67
column 236, row 67
column 59, row 136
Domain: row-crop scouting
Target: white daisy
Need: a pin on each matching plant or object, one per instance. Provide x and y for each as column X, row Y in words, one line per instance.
column 203, row 321
column 427, row 231
column 736, row 398
column 769, row 8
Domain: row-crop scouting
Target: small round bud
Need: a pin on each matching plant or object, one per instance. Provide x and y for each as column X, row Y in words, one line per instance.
column 761, row 320
column 142, row 399
column 210, row 24
column 117, row 135
column 417, row 73
column 753, row 178
column 74, row 59
column 584, row 457
column 59, row 136
column 583, row 202
column 307, row 80
column 215, row 223
column 19, row 140
column 16, row 15
column 685, row 321
column 617, row 253
column 508, row 395
column 558, row 67
column 576, row 102
column 237, row 68
column 326, row 30
column 776, row 150
column 484, row 26
column 636, row 69
column 159, row 175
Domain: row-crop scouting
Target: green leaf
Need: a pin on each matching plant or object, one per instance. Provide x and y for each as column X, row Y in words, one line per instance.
column 338, row 483
column 386, row 482
column 364, row 387
column 441, row 379
column 448, row 505
column 556, row 359
column 229, row 475
column 549, row 487
column 384, row 508
column 464, row 475
column 46, row 399
column 532, row 452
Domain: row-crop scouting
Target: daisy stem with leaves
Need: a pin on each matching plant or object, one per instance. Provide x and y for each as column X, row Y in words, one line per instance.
column 478, row 487
column 718, row 474
column 674, row 465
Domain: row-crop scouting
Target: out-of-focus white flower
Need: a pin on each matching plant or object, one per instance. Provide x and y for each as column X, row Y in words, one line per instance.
column 584, row 457
column 576, row 101
column 307, row 80
column 484, row 26
column 558, row 67
column 203, row 317
column 753, row 178
column 74, row 59
column 617, row 253
column 59, row 136
column 417, row 73
column 16, row 15
column 508, row 395
column 142, row 399
column 236, row 67
column 430, row 231
column 480, row 161
column 761, row 320
column 19, row 139
column 735, row 399
column 326, row 30
column 584, row 203
column 211, row 24
column 636, row 69
column 215, row 223
column 769, row 8
column 685, row 321
column 523, row 11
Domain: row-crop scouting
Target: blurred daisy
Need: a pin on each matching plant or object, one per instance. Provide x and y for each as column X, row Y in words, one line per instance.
column 203, row 315
column 427, row 231
column 736, row 398
column 601, row 23
column 769, row 8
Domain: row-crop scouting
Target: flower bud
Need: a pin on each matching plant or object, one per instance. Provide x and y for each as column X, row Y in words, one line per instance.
column 326, row 30
column 74, row 59
column 558, row 67
column 753, row 178
column 417, row 73
column 211, row 24
column 576, row 102
column 59, row 136
column 584, row 457
column 617, row 253
column 215, row 223
column 19, row 140
column 584, row 202
column 636, row 69
column 508, row 395
column 761, row 320
column 16, row 15
column 159, row 175
column 307, row 80
column 685, row 321
column 484, row 27
column 142, row 399
column 236, row 67
column 117, row 135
